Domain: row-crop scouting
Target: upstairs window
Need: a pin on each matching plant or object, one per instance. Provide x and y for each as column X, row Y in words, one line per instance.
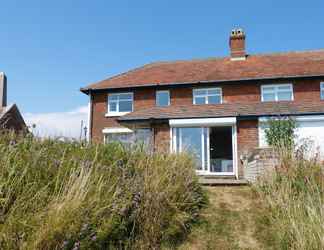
column 120, row 104
column 322, row 90
column 278, row 92
column 162, row 98
column 207, row 96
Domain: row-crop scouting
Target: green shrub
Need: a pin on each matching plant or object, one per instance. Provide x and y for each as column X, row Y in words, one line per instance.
column 281, row 132
column 56, row 195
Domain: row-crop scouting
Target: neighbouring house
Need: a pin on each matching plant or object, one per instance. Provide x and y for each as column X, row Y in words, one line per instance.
column 214, row 108
column 10, row 117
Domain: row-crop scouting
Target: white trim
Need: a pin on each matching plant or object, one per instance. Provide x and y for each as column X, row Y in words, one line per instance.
column 322, row 90
column 156, row 99
column 235, row 156
column 226, row 121
column 117, row 113
column 116, row 130
column 299, row 118
column 206, row 171
column 242, row 58
column 113, row 114
column 276, row 86
column 206, row 96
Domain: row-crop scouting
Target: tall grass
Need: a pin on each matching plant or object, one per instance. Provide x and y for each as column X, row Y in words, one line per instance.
column 56, row 195
column 294, row 193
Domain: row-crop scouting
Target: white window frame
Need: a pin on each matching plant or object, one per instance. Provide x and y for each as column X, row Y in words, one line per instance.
column 117, row 113
column 206, row 123
column 276, row 86
column 156, row 97
column 322, row 90
column 207, row 95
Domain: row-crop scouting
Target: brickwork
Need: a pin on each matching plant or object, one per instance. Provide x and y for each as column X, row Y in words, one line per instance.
column 247, row 130
column 247, row 140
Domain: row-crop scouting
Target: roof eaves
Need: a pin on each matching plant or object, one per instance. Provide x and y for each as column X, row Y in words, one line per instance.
column 86, row 90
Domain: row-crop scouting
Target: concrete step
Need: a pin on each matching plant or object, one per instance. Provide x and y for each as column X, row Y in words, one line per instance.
column 221, row 181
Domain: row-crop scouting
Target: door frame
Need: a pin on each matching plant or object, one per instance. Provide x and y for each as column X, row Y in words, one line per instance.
column 207, row 123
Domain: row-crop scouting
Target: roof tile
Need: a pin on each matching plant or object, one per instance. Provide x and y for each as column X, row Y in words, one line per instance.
column 290, row 64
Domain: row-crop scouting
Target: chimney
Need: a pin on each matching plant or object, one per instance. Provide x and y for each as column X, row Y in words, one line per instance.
column 3, row 90
column 237, row 45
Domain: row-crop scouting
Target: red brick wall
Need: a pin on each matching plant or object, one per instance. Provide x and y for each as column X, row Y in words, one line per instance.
column 247, row 139
column 161, row 137
column 247, row 92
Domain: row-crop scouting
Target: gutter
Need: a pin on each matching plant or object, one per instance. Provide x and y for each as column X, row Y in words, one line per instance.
column 239, row 116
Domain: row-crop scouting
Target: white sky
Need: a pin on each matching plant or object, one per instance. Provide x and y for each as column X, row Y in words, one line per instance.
column 67, row 124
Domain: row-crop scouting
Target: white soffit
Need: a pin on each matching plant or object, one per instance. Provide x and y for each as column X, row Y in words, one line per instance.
column 202, row 122
column 116, row 130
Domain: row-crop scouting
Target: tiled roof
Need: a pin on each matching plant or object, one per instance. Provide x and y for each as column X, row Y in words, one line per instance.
column 267, row 66
column 224, row 110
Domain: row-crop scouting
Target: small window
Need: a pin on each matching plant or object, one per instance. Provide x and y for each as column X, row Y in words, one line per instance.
column 207, row 96
column 278, row 92
column 322, row 90
column 162, row 98
column 120, row 103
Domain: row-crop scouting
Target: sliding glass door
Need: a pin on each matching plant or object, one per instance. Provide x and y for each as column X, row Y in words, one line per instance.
column 211, row 147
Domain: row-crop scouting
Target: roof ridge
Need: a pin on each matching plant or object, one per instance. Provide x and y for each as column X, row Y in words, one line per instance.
column 227, row 57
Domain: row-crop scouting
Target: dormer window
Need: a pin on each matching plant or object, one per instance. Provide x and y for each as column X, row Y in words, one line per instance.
column 120, row 104
column 277, row 92
column 162, row 98
column 207, row 96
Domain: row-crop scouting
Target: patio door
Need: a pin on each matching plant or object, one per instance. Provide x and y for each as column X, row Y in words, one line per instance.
column 213, row 148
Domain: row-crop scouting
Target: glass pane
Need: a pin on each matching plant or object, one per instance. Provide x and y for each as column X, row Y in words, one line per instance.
column 126, row 96
column 205, row 167
column 200, row 92
column 125, row 138
column 162, row 98
column 214, row 92
column 284, row 96
column 125, row 106
column 112, row 106
column 284, row 88
column 269, row 97
column 200, row 100
column 191, row 142
column 143, row 135
column 112, row 97
column 214, row 99
column 268, row 89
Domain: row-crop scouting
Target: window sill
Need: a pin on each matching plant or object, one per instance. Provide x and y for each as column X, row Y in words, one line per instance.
column 115, row 114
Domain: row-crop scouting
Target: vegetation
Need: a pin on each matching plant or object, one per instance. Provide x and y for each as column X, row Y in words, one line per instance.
column 294, row 192
column 56, row 195
column 281, row 132
column 234, row 219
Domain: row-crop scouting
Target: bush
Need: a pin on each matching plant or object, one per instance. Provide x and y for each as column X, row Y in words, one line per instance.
column 56, row 195
column 295, row 196
column 281, row 133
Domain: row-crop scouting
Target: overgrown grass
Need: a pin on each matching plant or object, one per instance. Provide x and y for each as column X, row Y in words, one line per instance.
column 56, row 195
column 294, row 193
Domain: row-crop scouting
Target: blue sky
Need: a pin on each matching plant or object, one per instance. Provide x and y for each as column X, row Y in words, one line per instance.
column 49, row 49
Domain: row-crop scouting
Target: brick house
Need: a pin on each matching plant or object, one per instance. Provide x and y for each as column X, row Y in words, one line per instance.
column 10, row 117
column 215, row 107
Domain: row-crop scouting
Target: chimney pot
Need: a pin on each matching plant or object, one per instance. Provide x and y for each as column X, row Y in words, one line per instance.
column 237, row 45
column 3, row 90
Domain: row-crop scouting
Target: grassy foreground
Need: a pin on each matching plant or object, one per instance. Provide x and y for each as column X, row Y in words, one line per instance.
column 294, row 194
column 56, row 195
